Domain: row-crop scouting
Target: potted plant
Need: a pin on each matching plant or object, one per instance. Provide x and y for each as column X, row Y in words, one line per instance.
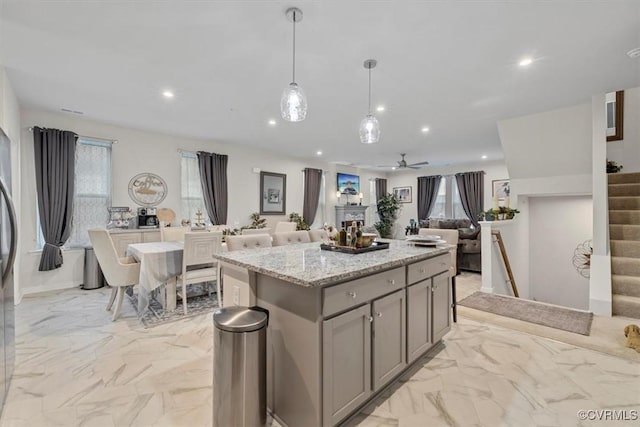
column 256, row 221
column 511, row 213
column 388, row 208
column 297, row 218
column 489, row 215
column 613, row 167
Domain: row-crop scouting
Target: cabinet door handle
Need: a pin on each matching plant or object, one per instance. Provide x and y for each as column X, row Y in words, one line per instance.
column 421, row 271
column 378, row 314
column 392, row 281
column 370, row 319
column 352, row 294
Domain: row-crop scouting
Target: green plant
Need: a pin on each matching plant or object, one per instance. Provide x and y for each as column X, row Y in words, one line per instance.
column 613, row 167
column 297, row 218
column 388, row 209
column 490, row 214
column 511, row 213
column 256, row 221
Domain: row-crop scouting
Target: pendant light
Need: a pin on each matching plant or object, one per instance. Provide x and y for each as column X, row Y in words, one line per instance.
column 293, row 103
column 369, row 127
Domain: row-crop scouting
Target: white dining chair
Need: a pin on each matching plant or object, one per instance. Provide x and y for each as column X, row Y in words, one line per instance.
column 319, row 235
column 281, row 239
column 285, row 226
column 198, row 263
column 254, row 231
column 173, row 234
column 119, row 272
column 256, row 241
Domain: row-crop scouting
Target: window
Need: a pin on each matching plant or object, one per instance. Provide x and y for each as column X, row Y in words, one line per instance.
column 448, row 204
column 192, row 199
column 92, row 195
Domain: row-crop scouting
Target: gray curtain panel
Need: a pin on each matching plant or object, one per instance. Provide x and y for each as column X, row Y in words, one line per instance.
column 312, row 184
column 427, row 194
column 213, row 178
column 381, row 188
column 55, row 155
column 471, row 189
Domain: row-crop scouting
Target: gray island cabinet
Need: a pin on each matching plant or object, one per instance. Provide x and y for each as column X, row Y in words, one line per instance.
column 341, row 327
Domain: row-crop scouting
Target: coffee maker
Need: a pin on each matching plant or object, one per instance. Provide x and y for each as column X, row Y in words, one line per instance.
column 147, row 218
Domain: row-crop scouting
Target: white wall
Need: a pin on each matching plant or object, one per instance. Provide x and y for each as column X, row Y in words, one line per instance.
column 10, row 125
column 626, row 152
column 140, row 151
column 548, row 155
column 567, row 222
column 549, row 144
column 494, row 171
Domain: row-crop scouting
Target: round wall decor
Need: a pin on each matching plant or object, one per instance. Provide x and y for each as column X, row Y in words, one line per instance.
column 147, row 189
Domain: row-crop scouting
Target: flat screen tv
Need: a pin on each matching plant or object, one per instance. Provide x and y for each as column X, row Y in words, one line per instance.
column 348, row 184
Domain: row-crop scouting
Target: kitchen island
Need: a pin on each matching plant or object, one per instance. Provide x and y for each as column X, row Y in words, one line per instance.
column 341, row 327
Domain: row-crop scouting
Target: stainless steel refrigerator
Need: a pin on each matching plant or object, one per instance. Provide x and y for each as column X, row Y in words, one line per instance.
column 8, row 242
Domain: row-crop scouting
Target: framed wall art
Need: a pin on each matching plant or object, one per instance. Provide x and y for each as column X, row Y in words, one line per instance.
column 403, row 194
column 501, row 188
column 615, row 115
column 273, row 193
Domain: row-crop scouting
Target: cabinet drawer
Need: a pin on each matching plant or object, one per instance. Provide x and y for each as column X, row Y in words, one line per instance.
column 345, row 295
column 429, row 267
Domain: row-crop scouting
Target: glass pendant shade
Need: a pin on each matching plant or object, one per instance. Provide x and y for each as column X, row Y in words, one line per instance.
column 293, row 104
column 369, row 130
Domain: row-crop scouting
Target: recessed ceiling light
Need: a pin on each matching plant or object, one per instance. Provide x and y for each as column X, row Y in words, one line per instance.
column 393, row 168
column 380, row 108
column 318, row 153
column 425, row 129
column 272, row 122
column 484, row 156
column 168, row 94
column 524, row 62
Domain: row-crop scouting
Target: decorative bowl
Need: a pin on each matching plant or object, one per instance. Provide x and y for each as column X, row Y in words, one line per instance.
column 367, row 239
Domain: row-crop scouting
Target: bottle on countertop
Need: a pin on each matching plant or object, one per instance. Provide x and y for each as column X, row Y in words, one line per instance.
column 342, row 237
column 359, row 236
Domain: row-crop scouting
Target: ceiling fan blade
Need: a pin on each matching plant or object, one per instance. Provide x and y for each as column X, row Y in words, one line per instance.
column 413, row 167
column 419, row 164
column 386, row 166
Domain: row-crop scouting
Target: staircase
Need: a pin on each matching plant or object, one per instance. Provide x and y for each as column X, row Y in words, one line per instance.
column 624, row 235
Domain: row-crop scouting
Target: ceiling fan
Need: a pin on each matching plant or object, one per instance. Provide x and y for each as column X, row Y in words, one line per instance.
column 402, row 164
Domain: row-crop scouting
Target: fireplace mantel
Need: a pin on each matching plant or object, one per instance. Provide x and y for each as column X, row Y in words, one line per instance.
column 348, row 213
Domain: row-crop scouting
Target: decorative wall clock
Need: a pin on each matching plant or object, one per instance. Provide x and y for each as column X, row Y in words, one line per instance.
column 147, row 189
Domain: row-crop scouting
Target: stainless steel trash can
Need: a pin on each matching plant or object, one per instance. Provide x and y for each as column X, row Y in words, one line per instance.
column 240, row 367
column 93, row 278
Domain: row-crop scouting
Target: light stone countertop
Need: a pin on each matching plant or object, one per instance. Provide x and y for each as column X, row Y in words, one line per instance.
column 307, row 265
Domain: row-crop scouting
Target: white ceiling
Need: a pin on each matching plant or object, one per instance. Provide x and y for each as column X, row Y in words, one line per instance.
column 449, row 66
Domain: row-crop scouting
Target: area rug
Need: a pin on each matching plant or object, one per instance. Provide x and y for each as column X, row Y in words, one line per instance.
column 565, row 319
column 197, row 304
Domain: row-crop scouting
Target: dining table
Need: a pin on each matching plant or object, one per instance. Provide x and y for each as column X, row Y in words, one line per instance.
column 160, row 264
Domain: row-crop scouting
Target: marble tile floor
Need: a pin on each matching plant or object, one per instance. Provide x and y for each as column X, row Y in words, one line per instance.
column 607, row 333
column 74, row 367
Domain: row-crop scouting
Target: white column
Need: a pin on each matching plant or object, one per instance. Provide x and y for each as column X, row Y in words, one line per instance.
column 486, row 240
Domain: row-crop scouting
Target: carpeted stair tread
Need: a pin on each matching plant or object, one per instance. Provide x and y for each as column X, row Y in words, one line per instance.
column 625, row 266
column 624, row 217
column 625, row 248
column 623, row 178
column 624, row 232
column 616, row 190
column 624, row 203
column 625, row 285
column 623, row 305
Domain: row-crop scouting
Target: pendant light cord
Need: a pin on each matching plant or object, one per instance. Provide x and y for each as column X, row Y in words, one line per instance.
column 369, row 89
column 294, row 46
